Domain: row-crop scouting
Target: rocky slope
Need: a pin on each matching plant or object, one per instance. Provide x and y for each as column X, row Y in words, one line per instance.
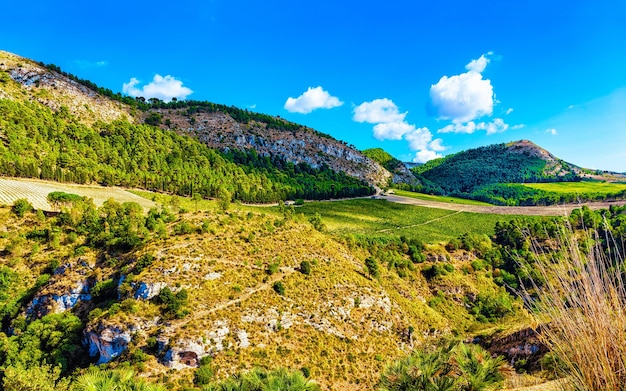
column 304, row 145
column 24, row 79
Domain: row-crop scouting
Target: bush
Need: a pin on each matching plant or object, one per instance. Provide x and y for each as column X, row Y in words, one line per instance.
column 372, row 267
column 449, row 367
column 21, row 207
column 279, row 288
column 305, row 267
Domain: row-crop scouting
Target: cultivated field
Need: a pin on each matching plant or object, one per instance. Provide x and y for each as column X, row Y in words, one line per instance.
column 579, row 187
column 379, row 218
column 435, row 198
column 36, row 192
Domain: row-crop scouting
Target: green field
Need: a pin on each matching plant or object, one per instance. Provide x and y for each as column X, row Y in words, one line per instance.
column 436, row 198
column 379, row 218
column 579, row 187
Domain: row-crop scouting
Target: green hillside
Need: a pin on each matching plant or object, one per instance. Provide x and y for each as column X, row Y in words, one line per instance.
column 39, row 143
column 489, row 173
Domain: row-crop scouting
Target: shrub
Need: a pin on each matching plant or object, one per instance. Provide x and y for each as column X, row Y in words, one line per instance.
column 448, row 367
column 279, row 288
column 372, row 267
column 305, row 267
column 21, row 207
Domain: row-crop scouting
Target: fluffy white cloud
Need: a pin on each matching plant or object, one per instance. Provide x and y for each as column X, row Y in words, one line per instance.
column 495, row 126
column 469, row 128
column 378, row 111
column 312, row 99
column 552, row 131
column 391, row 125
column 478, row 65
column 419, row 139
column 463, row 97
column 425, row 155
column 161, row 87
column 518, row 126
column 392, row 130
column 509, row 111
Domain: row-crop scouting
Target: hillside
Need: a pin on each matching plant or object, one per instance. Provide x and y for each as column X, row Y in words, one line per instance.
column 246, row 287
column 495, row 173
column 218, row 126
column 399, row 170
column 516, row 162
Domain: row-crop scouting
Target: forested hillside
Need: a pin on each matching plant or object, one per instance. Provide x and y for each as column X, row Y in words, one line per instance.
column 40, row 143
column 481, row 173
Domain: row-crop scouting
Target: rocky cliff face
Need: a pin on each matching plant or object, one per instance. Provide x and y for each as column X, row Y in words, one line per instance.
column 220, row 131
column 54, row 90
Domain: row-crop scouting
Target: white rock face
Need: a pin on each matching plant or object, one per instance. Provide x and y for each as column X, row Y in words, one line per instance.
column 185, row 353
column 108, row 343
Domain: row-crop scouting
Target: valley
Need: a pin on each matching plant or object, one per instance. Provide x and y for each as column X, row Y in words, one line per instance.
column 190, row 245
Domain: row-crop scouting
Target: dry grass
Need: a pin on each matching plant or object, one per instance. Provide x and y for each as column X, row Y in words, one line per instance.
column 584, row 298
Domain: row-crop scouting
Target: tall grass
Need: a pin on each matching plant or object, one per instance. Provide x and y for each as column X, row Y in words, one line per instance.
column 584, row 298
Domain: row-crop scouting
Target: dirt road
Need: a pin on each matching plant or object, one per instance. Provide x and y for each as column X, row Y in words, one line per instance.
column 554, row 210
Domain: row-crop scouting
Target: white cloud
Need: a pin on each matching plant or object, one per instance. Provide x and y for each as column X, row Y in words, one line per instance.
column 161, row 87
column 469, row 128
column 425, row 155
column 496, row 126
column 378, row 111
column 518, row 126
column 419, row 139
column 463, row 97
column 552, row 131
column 312, row 99
column 392, row 130
column 509, row 111
column 435, row 145
column 478, row 65
column 391, row 125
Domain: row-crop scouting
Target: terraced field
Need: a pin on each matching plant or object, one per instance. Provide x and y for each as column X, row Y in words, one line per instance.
column 36, row 192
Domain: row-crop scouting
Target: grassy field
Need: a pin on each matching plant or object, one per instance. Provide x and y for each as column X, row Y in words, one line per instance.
column 379, row 218
column 36, row 192
column 579, row 187
column 429, row 197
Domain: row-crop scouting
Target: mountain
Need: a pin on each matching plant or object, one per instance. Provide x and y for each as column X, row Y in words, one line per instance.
column 217, row 126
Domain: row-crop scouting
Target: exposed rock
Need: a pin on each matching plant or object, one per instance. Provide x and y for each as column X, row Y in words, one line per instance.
column 54, row 303
column 219, row 130
column 521, row 345
column 185, row 353
column 148, row 290
column 108, row 342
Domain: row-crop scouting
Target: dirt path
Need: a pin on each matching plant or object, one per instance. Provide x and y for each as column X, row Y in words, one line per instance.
column 554, row 210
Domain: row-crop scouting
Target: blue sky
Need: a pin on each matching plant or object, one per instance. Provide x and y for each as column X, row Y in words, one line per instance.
column 419, row 79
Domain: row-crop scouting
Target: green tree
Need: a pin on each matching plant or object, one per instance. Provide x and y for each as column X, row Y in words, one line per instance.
column 372, row 267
